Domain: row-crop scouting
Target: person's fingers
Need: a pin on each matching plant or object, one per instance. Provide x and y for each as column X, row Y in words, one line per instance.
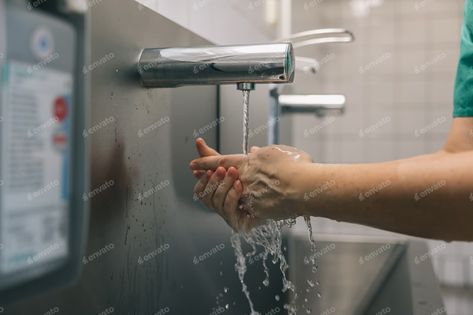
column 212, row 185
column 201, row 184
column 204, row 149
column 230, row 205
column 222, row 190
column 240, row 219
column 212, row 162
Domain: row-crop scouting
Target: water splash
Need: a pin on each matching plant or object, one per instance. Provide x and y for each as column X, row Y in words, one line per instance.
column 313, row 246
column 240, row 267
column 311, row 258
column 268, row 237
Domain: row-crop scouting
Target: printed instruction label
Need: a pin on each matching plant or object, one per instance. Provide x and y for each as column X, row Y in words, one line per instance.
column 35, row 152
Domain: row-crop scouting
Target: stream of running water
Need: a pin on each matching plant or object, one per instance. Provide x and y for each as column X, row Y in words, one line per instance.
column 246, row 120
column 269, row 238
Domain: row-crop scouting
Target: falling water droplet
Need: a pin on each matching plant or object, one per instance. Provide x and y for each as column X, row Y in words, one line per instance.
column 266, row 282
column 319, row 295
column 291, row 309
column 310, row 283
column 225, row 290
column 276, row 297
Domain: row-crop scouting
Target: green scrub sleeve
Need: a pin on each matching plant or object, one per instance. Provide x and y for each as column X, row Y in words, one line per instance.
column 463, row 96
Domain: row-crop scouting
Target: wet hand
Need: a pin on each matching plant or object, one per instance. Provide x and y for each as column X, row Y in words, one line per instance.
column 221, row 190
column 218, row 188
column 267, row 179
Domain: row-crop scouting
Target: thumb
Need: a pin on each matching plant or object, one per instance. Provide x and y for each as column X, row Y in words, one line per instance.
column 204, row 149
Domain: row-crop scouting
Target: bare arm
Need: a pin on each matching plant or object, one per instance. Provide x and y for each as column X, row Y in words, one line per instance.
column 428, row 196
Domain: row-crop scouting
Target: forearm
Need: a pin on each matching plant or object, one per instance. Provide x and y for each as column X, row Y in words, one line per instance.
column 426, row 196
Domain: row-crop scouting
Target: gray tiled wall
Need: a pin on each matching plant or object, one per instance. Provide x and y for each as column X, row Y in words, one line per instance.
column 398, row 78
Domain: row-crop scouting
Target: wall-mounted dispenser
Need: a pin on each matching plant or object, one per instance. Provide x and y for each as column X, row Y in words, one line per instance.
column 43, row 159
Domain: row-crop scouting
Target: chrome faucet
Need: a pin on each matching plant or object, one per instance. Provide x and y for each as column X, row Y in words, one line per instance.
column 316, row 37
column 318, row 104
column 243, row 65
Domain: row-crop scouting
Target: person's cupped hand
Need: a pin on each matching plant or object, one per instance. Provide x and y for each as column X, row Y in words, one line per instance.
column 247, row 190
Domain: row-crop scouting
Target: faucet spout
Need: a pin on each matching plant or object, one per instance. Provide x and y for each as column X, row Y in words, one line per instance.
column 320, row 105
column 243, row 65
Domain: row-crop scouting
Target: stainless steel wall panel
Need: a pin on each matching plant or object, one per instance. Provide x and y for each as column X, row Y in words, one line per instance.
column 149, row 241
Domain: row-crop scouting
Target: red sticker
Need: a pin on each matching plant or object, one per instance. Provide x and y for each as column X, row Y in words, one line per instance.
column 60, row 108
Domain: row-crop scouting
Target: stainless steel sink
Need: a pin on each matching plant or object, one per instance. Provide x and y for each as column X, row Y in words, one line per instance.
column 365, row 277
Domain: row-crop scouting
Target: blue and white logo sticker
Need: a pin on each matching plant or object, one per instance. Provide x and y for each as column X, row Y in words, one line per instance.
column 42, row 43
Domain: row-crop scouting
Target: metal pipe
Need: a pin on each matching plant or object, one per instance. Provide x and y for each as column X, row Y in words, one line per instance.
column 212, row 65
